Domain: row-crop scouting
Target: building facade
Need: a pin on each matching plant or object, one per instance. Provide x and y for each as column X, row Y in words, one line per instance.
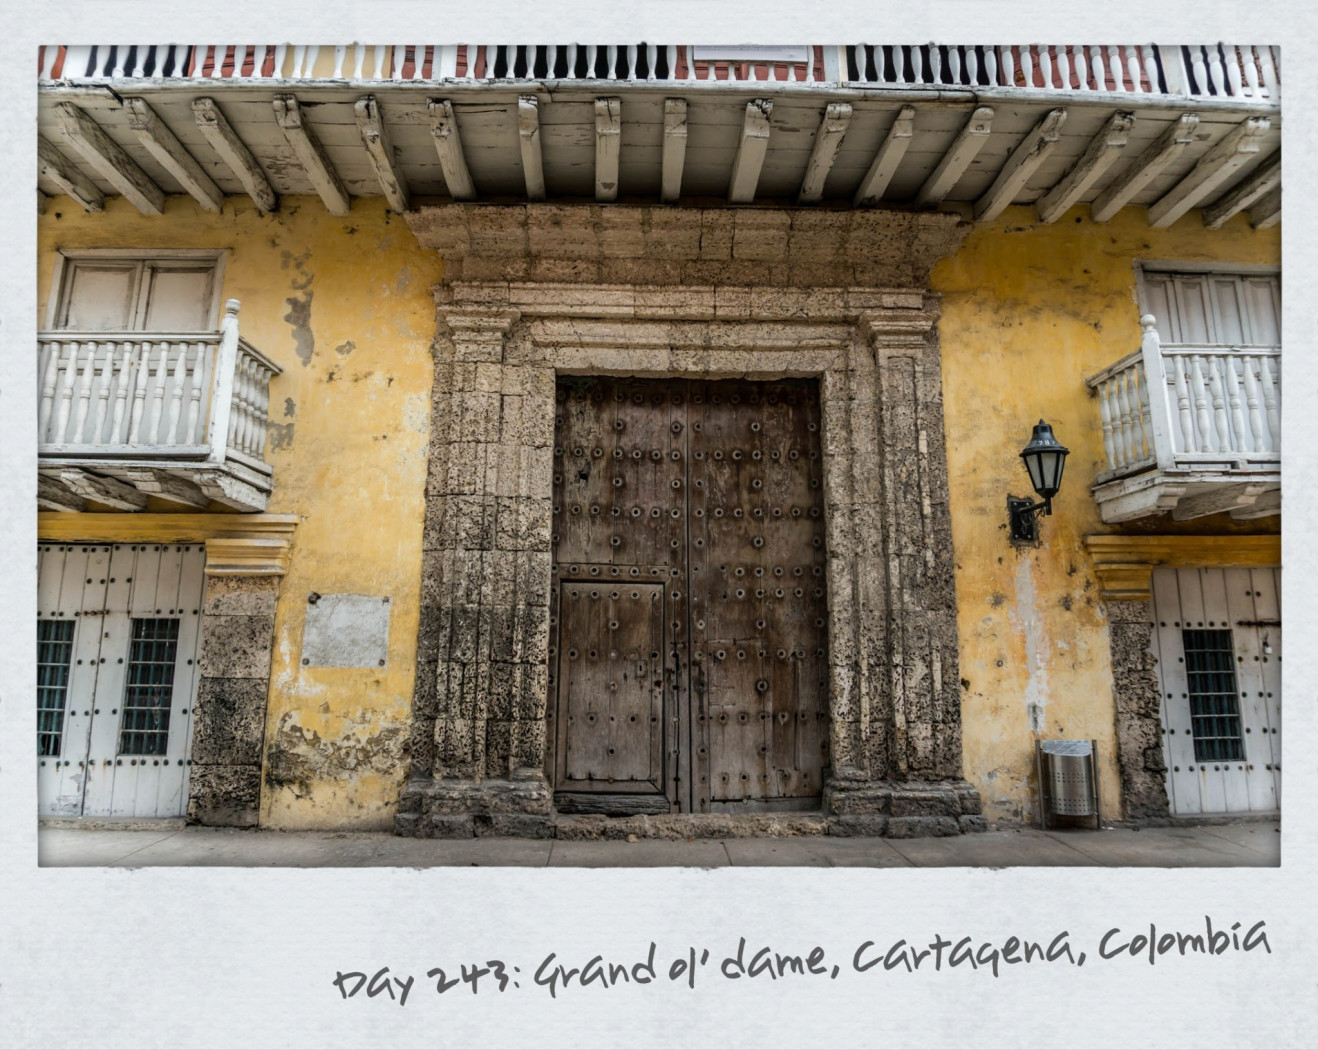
column 601, row 440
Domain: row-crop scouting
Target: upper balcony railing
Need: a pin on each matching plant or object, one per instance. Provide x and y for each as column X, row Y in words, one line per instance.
column 1224, row 71
column 170, row 396
column 1171, row 407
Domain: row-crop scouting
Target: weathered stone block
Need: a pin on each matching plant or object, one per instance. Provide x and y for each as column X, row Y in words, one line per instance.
column 240, row 595
column 518, row 825
column 971, row 823
column 858, row 826
column 922, row 827
column 236, row 646
column 229, row 721
column 451, row 826
column 224, row 795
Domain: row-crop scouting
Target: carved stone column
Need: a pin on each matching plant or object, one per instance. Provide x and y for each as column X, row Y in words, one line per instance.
column 908, row 778
column 478, row 729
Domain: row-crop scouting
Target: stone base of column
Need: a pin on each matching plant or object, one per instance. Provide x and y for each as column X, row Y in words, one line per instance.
column 457, row 808
column 902, row 809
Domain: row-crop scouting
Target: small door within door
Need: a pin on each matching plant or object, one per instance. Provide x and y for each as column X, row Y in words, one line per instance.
column 1218, row 643
column 117, row 642
column 688, row 663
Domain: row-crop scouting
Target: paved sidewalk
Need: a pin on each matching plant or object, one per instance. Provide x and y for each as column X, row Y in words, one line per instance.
column 1239, row 844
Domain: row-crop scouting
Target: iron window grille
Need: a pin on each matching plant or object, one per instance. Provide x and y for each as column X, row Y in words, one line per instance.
column 1210, row 672
column 149, row 690
column 54, row 654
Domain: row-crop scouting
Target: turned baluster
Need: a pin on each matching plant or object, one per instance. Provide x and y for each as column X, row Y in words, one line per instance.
column 1215, row 69
column 1251, row 71
column 1270, row 64
column 991, row 64
column 1123, row 417
column 141, row 383
column 49, row 377
column 954, row 64
column 102, row 394
column 1008, row 66
column 116, row 435
column 1271, row 408
column 174, row 406
column 86, row 356
column 1045, row 66
column 1254, row 406
column 1027, row 66
column 1216, row 388
column 190, row 419
column 1063, row 68
column 972, row 66
column 68, row 375
column 281, row 53
column 1105, row 395
column 1199, row 70
column 1235, row 395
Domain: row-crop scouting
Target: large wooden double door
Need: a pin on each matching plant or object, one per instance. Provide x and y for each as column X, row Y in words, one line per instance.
column 688, row 664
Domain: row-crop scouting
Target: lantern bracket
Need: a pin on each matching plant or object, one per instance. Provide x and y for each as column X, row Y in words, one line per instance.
column 1024, row 517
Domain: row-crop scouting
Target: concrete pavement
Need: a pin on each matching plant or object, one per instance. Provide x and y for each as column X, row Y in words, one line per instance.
column 1245, row 843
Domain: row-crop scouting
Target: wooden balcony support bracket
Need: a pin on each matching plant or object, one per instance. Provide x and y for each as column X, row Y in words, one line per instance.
column 832, row 126
column 887, row 160
column 956, row 160
column 109, row 160
column 379, row 151
column 54, row 495
column 1160, row 153
column 311, row 155
column 235, row 154
column 608, row 144
column 109, row 491
column 674, row 156
column 1264, row 179
column 1214, row 169
column 164, row 146
column 528, row 135
column 55, row 166
column 1102, row 152
column 448, row 144
column 1266, row 212
column 1023, row 162
column 152, row 481
column 751, row 148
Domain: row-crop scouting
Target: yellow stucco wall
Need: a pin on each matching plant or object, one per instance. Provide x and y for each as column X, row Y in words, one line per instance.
column 344, row 306
column 1029, row 310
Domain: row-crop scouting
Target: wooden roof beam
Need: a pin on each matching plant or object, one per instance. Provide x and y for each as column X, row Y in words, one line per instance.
column 1215, row 167
column 1160, row 153
column 832, row 126
column 1101, row 153
column 52, row 495
column 235, row 154
column 887, row 160
column 1023, row 162
column 752, row 147
column 1266, row 212
column 109, row 160
column 674, row 156
column 1265, row 179
column 448, row 144
column 164, row 146
column 608, row 143
column 379, row 151
column 110, row 491
column 528, row 134
column 311, row 155
column 969, row 141
column 55, row 166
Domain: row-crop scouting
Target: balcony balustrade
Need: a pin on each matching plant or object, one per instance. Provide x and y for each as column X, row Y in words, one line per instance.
column 1220, row 71
column 1189, row 428
column 177, row 415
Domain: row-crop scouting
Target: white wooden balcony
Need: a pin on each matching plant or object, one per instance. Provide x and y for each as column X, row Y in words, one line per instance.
column 1193, row 430
column 179, row 416
column 959, row 127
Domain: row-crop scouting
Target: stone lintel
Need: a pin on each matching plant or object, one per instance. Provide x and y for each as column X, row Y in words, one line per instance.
column 1124, row 564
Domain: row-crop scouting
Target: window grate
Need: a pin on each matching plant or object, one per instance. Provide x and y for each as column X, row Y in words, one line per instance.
column 1210, row 671
column 149, row 691
column 54, row 654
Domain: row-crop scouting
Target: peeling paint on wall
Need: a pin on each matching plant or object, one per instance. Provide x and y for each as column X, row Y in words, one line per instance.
column 1031, row 625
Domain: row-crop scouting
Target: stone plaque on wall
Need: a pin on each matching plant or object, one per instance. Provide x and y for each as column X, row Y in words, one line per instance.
column 346, row 630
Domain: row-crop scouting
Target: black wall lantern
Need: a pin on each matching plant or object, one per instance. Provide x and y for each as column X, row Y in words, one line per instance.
column 1044, row 459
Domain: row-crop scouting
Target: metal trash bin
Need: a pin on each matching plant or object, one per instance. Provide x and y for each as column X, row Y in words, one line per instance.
column 1068, row 779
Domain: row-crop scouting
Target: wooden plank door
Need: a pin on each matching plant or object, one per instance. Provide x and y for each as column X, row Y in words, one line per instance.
column 1217, row 638
column 688, row 662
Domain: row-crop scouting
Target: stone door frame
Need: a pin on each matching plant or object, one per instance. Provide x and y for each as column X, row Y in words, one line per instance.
column 479, row 713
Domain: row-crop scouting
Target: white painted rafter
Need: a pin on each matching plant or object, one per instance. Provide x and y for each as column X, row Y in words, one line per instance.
column 1262, row 181
column 528, row 136
column 1236, row 149
column 751, row 149
column 55, row 166
column 1101, row 153
column 832, row 126
column 164, row 146
column 234, row 152
column 965, row 147
column 109, row 160
column 52, row 495
column 1266, row 212
column 608, row 145
column 153, row 481
column 110, row 491
column 311, row 155
column 887, row 160
column 1159, row 154
column 448, row 144
column 674, row 156
column 379, row 151
column 1023, row 163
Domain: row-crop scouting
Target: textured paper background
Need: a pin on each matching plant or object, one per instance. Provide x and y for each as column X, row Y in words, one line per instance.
column 225, row 957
